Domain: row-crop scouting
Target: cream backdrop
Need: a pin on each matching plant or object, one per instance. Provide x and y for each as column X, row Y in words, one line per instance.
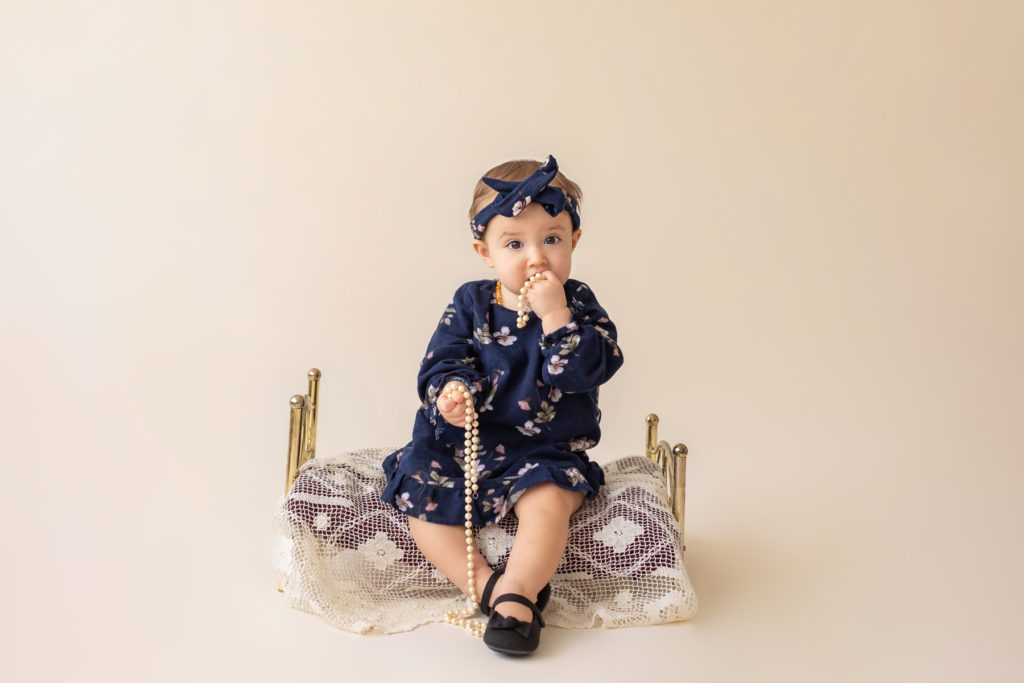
column 805, row 218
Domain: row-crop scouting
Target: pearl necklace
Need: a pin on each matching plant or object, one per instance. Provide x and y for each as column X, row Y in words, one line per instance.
column 522, row 314
column 472, row 443
column 471, row 460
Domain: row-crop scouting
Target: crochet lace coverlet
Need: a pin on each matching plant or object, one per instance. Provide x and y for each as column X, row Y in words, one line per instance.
column 348, row 556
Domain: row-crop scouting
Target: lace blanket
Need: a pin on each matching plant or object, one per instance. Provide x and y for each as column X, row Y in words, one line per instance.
column 348, row 556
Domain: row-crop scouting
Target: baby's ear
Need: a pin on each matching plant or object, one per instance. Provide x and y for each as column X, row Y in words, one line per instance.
column 480, row 247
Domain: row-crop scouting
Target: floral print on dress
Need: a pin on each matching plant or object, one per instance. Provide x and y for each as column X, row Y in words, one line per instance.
column 608, row 338
column 569, row 345
column 483, row 334
column 488, row 403
column 545, row 414
column 495, row 503
column 439, row 480
column 574, row 475
column 446, row 317
column 581, row 444
column 504, row 336
column 536, row 396
column 529, row 429
column 557, row 365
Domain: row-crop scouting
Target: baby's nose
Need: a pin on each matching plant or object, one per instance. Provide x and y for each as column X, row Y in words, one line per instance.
column 536, row 257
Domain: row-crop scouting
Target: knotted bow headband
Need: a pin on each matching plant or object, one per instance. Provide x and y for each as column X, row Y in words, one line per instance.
column 514, row 196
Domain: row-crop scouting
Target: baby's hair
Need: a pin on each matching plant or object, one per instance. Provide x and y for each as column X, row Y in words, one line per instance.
column 517, row 170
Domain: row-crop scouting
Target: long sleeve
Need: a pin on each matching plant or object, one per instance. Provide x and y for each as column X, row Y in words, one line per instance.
column 584, row 354
column 451, row 356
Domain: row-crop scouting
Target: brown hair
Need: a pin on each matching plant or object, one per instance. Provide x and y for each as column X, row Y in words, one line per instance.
column 517, row 170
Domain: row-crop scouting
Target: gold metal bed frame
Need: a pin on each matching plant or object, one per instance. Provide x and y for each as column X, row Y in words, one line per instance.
column 302, row 448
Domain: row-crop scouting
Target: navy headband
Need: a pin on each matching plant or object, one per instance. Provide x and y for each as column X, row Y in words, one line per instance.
column 514, row 196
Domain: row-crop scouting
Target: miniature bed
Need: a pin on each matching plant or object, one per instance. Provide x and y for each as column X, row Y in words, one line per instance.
column 348, row 556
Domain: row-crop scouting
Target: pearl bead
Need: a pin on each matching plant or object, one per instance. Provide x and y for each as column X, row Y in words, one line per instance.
column 471, row 440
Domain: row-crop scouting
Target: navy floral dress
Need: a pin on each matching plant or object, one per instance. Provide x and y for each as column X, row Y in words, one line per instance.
column 536, row 396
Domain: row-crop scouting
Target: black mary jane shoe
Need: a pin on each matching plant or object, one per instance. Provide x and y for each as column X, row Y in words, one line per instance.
column 485, row 598
column 509, row 635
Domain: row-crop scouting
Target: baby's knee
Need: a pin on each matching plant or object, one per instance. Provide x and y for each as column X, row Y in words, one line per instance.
column 548, row 500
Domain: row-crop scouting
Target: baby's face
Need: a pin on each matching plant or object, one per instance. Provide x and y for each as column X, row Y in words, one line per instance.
column 529, row 243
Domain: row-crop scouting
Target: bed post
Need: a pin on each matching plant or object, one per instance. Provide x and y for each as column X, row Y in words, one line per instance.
column 672, row 462
column 314, row 411
column 301, row 434
column 302, row 428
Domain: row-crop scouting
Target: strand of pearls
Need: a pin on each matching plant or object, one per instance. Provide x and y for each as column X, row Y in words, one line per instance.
column 464, row 618
column 472, row 442
column 521, row 308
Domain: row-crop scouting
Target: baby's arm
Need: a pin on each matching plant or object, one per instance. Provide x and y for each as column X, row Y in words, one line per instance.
column 583, row 354
column 451, row 357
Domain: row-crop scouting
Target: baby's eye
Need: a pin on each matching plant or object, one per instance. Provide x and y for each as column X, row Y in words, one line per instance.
column 552, row 239
column 514, row 244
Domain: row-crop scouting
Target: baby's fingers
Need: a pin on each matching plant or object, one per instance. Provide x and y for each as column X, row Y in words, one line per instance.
column 454, row 416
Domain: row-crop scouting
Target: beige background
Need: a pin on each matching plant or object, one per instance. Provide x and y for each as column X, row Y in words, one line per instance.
column 805, row 218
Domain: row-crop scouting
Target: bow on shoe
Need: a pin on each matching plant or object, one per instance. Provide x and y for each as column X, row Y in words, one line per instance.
column 498, row 622
column 510, row 635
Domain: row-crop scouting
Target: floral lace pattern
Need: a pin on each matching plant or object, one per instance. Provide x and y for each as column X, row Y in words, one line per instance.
column 619, row 533
column 348, row 556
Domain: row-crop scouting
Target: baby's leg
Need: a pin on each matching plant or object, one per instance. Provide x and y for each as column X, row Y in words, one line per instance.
column 445, row 546
column 543, row 513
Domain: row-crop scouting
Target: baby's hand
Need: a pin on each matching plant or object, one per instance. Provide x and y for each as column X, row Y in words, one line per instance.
column 453, row 410
column 547, row 299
